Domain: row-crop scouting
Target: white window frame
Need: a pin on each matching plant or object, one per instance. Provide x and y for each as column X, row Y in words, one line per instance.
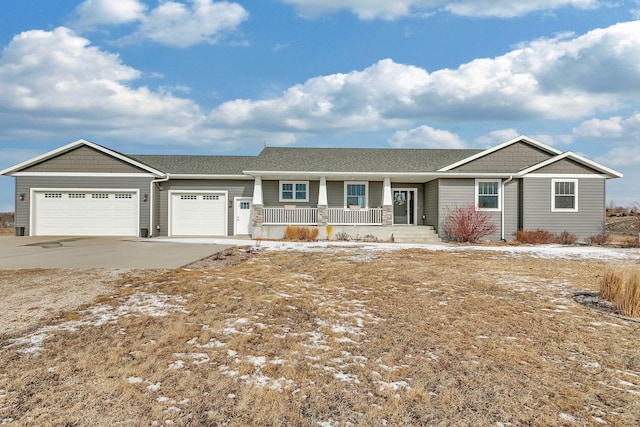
column 366, row 193
column 553, row 195
column 280, row 183
column 477, row 196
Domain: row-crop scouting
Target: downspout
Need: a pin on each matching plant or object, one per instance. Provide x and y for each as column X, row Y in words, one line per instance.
column 151, row 205
column 504, row 184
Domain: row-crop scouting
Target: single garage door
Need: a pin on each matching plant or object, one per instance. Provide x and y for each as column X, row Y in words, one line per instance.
column 85, row 213
column 198, row 214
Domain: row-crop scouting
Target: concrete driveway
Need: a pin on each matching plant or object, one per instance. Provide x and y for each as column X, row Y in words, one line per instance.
column 99, row 252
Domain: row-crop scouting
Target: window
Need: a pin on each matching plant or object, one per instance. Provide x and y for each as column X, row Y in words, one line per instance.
column 488, row 195
column 356, row 194
column 564, row 195
column 294, row 191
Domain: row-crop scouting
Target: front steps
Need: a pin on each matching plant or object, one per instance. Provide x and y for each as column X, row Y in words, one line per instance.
column 414, row 234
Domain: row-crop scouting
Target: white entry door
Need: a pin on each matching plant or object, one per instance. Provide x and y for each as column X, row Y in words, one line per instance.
column 198, row 213
column 243, row 215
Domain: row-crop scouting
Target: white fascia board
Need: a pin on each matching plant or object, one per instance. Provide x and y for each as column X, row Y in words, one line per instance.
column 71, row 146
column 375, row 175
column 86, row 174
column 208, row 176
column 576, row 157
column 520, row 138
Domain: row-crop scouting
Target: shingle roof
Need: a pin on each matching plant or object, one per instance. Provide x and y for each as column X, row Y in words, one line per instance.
column 357, row 159
column 196, row 165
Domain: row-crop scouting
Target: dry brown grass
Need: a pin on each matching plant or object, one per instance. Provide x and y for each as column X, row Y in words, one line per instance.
column 6, row 231
column 621, row 286
column 339, row 337
column 534, row 237
column 306, row 234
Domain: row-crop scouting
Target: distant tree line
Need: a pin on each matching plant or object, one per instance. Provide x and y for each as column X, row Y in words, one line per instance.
column 6, row 219
column 613, row 209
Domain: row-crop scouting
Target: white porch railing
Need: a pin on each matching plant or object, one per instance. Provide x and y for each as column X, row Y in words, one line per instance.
column 297, row 216
column 341, row 216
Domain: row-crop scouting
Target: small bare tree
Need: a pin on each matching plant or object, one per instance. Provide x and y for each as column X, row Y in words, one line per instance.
column 466, row 224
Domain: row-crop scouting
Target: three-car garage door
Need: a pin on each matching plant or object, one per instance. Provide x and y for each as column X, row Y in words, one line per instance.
column 85, row 213
column 198, row 214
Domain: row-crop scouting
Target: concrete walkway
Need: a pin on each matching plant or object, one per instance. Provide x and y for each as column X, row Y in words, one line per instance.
column 100, row 252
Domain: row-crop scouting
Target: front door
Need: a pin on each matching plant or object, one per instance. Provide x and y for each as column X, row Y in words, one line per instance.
column 404, row 206
column 243, row 215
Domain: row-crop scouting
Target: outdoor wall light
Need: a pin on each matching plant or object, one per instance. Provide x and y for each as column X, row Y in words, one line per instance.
column 21, row 197
column 145, row 198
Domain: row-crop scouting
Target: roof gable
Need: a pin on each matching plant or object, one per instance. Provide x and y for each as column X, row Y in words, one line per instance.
column 81, row 157
column 568, row 163
column 511, row 156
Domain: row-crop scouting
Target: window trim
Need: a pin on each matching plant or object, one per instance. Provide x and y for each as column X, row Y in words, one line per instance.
column 477, row 196
column 281, row 199
column 553, row 195
column 366, row 193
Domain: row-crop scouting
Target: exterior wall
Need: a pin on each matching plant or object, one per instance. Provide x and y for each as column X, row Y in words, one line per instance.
column 459, row 193
column 83, row 159
column 235, row 188
column 566, row 166
column 512, row 208
column 588, row 221
column 430, row 201
column 420, row 194
column 24, row 184
column 513, row 158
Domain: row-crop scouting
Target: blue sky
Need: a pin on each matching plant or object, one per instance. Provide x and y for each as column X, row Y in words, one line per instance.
column 214, row 77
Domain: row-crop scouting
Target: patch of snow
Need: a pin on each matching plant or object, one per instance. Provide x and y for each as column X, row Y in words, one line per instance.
column 135, row 380
column 567, row 417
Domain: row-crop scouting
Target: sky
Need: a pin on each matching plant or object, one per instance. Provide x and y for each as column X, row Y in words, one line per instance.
column 229, row 77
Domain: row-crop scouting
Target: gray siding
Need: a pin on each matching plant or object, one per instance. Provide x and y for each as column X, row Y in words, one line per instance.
column 24, row 184
column 566, row 166
column 588, row 221
column 431, row 203
column 513, row 158
column 459, row 193
column 83, row 159
column 235, row 188
column 271, row 194
column 512, row 208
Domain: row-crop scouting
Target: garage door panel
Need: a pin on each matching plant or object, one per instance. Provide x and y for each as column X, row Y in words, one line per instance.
column 86, row 213
column 201, row 214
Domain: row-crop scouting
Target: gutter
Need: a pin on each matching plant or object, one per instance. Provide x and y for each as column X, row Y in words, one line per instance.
column 151, row 205
column 504, row 184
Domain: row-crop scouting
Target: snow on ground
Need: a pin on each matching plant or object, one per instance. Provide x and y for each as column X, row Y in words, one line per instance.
column 535, row 251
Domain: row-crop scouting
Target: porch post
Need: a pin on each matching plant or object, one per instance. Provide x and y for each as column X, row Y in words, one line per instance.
column 257, row 213
column 387, row 202
column 323, row 204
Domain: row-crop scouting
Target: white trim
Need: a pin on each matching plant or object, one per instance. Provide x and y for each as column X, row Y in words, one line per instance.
column 235, row 213
column 322, row 192
column 567, row 175
column 209, row 176
column 553, row 195
column 521, row 138
column 87, row 174
column 366, row 193
column 294, row 199
column 32, row 200
column 477, row 204
column 575, row 157
column 415, row 206
column 76, row 144
column 177, row 191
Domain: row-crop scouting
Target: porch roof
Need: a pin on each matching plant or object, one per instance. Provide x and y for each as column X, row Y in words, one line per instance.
column 356, row 160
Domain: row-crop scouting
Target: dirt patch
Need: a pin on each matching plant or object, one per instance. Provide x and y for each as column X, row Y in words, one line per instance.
column 29, row 298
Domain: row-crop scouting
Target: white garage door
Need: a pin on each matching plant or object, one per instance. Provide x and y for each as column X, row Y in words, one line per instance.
column 198, row 214
column 85, row 213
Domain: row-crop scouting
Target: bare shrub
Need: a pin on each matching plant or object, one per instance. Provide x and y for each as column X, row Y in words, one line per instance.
column 612, row 284
column 342, row 236
column 466, row 224
column 301, row 233
column 598, row 239
column 534, row 237
column 567, row 238
column 631, row 242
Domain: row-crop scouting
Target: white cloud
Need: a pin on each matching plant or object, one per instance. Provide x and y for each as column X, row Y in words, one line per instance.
column 181, row 25
column 57, row 80
column 497, row 137
column 612, row 128
column 622, row 156
column 426, row 137
column 108, row 12
column 393, row 9
column 171, row 23
column 545, row 79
